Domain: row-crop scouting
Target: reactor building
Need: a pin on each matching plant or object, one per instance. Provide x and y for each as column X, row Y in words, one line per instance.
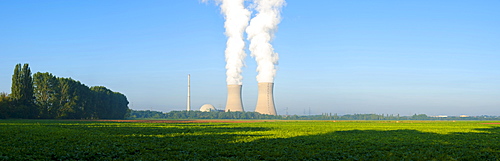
column 207, row 108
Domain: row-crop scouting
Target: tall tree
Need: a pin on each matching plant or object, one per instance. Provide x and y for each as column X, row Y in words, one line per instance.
column 46, row 92
column 120, row 105
column 16, row 88
column 46, row 96
column 22, row 92
column 77, row 101
column 27, row 80
column 73, row 99
column 102, row 101
column 109, row 104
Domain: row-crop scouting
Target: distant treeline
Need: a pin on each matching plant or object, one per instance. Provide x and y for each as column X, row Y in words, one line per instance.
column 147, row 114
column 44, row 96
column 330, row 116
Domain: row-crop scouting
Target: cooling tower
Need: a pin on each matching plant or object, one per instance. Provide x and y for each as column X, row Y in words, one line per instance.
column 265, row 100
column 234, row 98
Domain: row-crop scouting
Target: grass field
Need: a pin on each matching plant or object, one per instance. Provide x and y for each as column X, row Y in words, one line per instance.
column 265, row 140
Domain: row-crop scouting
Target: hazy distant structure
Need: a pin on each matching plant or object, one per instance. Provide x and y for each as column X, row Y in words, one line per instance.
column 265, row 100
column 207, row 108
column 234, row 98
column 189, row 94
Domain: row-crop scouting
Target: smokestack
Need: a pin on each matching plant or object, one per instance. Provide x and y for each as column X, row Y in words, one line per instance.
column 234, row 98
column 265, row 100
column 189, row 94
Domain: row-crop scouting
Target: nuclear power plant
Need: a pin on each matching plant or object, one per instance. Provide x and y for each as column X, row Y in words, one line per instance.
column 234, row 102
column 265, row 100
column 259, row 32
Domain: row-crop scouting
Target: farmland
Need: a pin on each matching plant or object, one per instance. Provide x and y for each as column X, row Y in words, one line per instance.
column 248, row 140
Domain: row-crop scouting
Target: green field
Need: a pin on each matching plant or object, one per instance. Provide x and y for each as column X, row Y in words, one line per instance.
column 270, row 140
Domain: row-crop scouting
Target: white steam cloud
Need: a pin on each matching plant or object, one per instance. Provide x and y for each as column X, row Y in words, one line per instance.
column 237, row 17
column 260, row 33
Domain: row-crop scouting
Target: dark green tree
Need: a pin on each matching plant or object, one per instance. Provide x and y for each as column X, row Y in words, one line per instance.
column 46, row 96
column 109, row 104
column 17, row 85
column 120, row 105
column 4, row 106
column 22, row 93
column 75, row 100
column 102, row 100
column 22, row 84
column 46, row 92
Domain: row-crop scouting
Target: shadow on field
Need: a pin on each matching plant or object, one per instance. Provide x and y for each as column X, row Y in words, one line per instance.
column 494, row 130
column 376, row 145
column 222, row 143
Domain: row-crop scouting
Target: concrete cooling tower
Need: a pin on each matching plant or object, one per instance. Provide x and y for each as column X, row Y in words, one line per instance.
column 265, row 100
column 234, row 98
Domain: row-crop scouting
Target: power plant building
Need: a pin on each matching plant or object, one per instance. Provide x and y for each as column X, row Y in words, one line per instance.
column 234, row 98
column 265, row 100
column 207, row 108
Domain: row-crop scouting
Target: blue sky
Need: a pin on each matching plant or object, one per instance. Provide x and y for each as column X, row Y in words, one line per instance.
column 345, row 57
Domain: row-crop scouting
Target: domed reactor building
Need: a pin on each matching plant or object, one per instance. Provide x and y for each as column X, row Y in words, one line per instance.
column 207, row 108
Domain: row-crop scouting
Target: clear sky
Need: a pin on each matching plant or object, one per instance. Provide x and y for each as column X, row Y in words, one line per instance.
column 392, row 57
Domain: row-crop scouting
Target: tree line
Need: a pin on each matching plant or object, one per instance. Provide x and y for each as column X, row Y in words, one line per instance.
column 330, row 116
column 147, row 114
column 45, row 96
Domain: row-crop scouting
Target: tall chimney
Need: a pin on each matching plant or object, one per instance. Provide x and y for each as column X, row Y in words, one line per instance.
column 265, row 100
column 189, row 94
column 234, row 98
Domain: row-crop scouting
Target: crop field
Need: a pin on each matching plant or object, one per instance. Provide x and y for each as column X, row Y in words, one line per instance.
column 249, row 140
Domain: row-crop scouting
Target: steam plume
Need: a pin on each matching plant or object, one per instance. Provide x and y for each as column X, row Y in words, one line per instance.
column 237, row 17
column 260, row 32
